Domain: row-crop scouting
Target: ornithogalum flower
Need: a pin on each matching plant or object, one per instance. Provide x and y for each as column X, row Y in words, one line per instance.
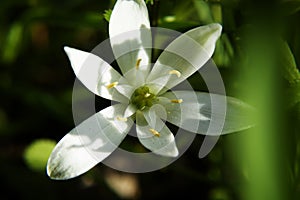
column 142, row 93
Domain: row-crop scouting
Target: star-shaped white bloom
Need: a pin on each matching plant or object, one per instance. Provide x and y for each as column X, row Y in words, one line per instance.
column 142, row 93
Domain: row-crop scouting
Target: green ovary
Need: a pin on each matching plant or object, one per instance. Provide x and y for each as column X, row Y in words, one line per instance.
column 142, row 98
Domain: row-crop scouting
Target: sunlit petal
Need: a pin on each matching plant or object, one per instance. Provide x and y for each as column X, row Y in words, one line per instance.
column 130, row 35
column 156, row 137
column 88, row 144
column 97, row 75
column 184, row 56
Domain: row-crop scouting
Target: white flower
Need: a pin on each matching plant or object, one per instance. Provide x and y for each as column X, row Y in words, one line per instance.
column 142, row 93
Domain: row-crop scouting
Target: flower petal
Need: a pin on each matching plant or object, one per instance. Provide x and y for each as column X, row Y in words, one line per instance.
column 207, row 114
column 130, row 35
column 153, row 116
column 88, row 144
column 157, row 138
column 184, row 56
column 130, row 110
column 96, row 74
column 136, row 77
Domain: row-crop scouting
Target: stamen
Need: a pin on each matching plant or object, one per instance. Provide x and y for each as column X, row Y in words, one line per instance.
column 138, row 62
column 111, row 85
column 176, row 100
column 177, row 73
column 147, row 95
column 154, row 132
column 122, row 119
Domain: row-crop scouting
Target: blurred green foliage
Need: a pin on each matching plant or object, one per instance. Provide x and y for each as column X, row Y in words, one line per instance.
column 107, row 14
column 36, row 83
column 37, row 153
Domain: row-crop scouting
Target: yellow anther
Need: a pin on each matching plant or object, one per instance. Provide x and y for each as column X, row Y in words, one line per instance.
column 177, row 73
column 147, row 95
column 154, row 132
column 111, row 85
column 122, row 119
column 176, row 100
column 138, row 62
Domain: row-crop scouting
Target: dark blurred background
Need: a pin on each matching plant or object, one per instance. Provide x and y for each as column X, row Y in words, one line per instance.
column 36, row 82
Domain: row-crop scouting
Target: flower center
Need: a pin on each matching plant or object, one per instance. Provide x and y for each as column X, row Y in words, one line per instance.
column 142, row 98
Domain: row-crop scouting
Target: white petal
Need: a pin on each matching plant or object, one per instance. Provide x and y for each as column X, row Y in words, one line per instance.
column 135, row 77
column 130, row 110
column 164, row 144
column 153, row 116
column 161, row 82
column 88, row 144
column 130, row 35
column 96, row 74
column 186, row 54
column 125, row 88
column 196, row 113
column 206, row 36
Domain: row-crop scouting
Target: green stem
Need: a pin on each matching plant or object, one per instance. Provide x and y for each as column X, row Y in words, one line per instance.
column 154, row 14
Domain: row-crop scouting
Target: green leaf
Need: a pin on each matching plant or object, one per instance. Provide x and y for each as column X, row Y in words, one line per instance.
column 177, row 25
column 185, row 11
column 216, row 12
column 292, row 95
column 291, row 7
column 149, row 1
column 290, row 70
column 203, row 11
column 224, row 52
column 13, row 42
column 37, row 153
column 107, row 14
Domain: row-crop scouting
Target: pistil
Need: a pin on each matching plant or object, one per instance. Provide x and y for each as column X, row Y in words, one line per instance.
column 142, row 98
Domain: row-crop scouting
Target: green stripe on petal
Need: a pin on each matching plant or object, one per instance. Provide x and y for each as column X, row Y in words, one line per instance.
column 185, row 55
column 196, row 114
column 157, row 138
column 130, row 35
column 88, row 144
